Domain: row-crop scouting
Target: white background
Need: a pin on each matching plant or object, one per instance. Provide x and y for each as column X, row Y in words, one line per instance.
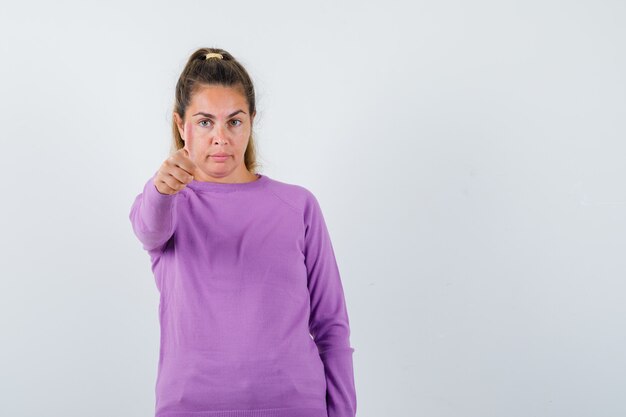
column 468, row 157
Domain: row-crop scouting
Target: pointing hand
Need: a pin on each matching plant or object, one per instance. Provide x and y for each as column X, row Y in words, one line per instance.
column 176, row 171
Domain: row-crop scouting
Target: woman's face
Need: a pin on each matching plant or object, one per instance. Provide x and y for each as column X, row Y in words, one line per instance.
column 216, row 122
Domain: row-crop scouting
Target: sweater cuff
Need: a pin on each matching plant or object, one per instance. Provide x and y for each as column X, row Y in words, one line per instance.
column 341, row 391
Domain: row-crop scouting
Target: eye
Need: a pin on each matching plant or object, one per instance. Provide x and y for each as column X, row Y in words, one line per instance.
column 237, row 120
column 202, row 121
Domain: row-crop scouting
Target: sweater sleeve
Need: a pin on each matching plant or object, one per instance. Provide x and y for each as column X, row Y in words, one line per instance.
column 152, row 216
column 328, row 323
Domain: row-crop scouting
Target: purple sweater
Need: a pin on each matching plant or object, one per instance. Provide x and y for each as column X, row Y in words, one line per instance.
column 252, row 311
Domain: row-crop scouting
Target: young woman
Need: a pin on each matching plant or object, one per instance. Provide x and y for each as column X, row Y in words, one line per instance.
column 252, row 310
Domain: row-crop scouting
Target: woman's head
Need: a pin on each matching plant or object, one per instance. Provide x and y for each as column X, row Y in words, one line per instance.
column 214, row 111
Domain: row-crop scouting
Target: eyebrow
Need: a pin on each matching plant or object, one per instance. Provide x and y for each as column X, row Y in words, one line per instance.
column 210, row 116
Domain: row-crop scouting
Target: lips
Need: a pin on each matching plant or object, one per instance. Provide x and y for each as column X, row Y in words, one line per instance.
column 220, row 157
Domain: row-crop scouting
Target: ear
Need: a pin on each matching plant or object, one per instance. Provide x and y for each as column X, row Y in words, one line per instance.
column 179, row 124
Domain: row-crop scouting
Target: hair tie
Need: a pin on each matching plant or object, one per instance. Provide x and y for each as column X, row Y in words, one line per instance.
column 213, row 55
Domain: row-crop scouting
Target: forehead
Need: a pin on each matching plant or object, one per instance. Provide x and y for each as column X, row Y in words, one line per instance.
column 217, row 99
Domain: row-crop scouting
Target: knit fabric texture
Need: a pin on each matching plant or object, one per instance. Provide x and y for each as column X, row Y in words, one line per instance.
column 252, row 313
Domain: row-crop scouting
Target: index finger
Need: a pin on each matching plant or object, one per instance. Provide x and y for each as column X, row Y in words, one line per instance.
column 188, row 147
column 189, row 140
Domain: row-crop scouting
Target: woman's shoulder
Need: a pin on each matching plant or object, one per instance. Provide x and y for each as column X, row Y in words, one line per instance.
column 296, row 195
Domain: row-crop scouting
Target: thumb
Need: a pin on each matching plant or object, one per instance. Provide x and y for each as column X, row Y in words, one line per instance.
column 187, row 148
column 192, row 168
column 189, row 141
column 190, row 164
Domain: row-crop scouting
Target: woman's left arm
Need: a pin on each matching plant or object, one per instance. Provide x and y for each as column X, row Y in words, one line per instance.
column 329, row 324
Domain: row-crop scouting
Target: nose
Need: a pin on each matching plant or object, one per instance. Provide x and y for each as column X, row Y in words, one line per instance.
column 219, row 138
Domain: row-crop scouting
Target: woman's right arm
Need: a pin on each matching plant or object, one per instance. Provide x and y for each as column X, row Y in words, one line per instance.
column 153, row 213
column 153, row 217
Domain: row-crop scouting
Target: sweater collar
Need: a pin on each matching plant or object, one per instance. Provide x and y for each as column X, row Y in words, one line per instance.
column 229, row 187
